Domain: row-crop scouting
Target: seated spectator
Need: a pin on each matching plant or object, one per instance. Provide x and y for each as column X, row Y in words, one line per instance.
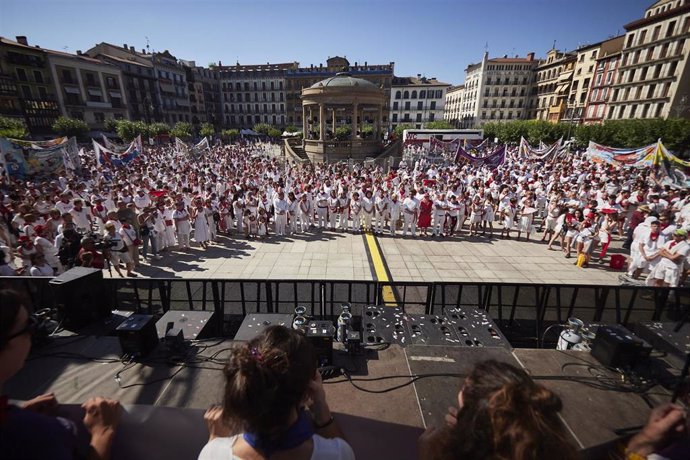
column 502, row 414
column 39, row 266
column 32, row 431
column 269, row 383
column 665, row 436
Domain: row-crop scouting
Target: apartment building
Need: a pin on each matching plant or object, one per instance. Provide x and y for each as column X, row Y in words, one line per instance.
column 417, row 100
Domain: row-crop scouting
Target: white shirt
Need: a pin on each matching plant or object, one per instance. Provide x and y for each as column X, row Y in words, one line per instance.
column 324, row 449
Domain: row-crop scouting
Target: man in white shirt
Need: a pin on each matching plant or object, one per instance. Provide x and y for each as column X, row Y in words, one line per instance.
column 410, row 208
column 280, row 207
column 440, row 210
column 673, row 255
column 394, row 209
column 322, row 208
column 141, row 200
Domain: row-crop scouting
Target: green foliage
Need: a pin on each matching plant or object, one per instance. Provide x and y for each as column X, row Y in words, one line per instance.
column 292, row 129
column 110, row 125
column 158, row 128
column 400, row 128
column 343, row 133
column 367, row 130
column 230, row 133
column 65, row 126
column 262, row 128
column 13, row 128
column 674, row 132
column 274, row 133
column 207, row 129
column 182, row 129
column 128, row 130
column 438, row 124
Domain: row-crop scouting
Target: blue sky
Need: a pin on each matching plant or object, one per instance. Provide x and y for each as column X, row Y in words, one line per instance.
column 437, row 38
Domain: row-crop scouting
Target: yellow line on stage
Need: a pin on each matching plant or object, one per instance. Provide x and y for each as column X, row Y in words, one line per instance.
column 387, row 294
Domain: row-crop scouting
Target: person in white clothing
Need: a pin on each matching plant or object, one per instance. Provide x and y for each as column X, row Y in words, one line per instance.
column 381, row 210
column 343, row 210
column 356, row 211
column 333, row 209
column 280, row 206
column 410, row 208
column 183, row 227
column 305, row 211
column 321, row 209
column 673, row 256
column 394, row 209
column 268, row 381
column 441, row 208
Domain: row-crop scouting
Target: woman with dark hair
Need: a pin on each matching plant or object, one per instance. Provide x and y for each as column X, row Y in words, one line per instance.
column 274, row 404
column 31, row 431
column 503, row 414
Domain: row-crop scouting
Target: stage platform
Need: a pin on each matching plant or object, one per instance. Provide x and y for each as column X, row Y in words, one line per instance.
column 164, row 399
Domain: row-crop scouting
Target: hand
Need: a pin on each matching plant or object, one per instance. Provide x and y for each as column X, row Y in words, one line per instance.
column 664, row 422
column 428, row 442
column 452, row 416
column 102, row 415
column 44, row 404
column 216, row 424
column 315, row 390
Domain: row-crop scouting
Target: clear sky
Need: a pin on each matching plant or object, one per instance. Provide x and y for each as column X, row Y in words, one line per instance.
column 436, row 38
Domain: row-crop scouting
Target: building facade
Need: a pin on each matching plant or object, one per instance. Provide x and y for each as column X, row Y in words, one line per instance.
column 210, row 86
column 417, row 101
column 654, row 75
column 600, row 89
column 298, row 78
column 88, row 89
column 451, row 109
column 554, row 80
column 253, row 94
column 585, row 64
column 27, row 89
column 140, row 82
column 172, row 87
column 498, row 89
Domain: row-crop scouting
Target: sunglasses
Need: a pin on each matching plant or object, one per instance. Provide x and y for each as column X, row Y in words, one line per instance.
column 30, row 328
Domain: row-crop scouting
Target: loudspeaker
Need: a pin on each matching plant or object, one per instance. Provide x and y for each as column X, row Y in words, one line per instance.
column 80, row 296
column 138, row 335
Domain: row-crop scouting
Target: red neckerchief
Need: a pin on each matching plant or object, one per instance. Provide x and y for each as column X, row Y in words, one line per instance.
column 654, row 236
column 673, row 243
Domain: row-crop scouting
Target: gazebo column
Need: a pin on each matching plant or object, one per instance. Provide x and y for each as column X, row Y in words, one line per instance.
column 322, row 122
column 333, row 122
column 355, row 111
column 379, row 123
column 304, row 123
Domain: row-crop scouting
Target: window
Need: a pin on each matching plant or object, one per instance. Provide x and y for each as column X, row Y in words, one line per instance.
column 650, row 91
column 431, row 116
column 439, row 94
column 419, row 117
column 406, row 95
column 420, row 105
column 432, row 105
column 407, row 106
column 21, row 75
column 414, row 94
column 395, row 105
column 26, row 91
column 100, row 117
column 422, row 94
column 395, row 117
column 669, row 30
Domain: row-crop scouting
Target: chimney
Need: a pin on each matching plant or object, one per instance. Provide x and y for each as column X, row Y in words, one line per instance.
column 78, row 52
column 125, row 46
column 505, row 56
column 131, row 48
column 530, row 56
column 22, row 39
column 365, row 64
column 143, row 51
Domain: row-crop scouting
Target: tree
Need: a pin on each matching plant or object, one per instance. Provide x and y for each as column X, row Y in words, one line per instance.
column 129, row 130
column 400, row 128
column 438, row 124
column 13, row 128
column 207, row 129
column 274, row 133
column 343, row 133
column 292, row 129
column 182, row 129
column 230, row 133
column 367, row 130
column 110, row 125
column 156, row 129
column 262, row 128
column 70, row 127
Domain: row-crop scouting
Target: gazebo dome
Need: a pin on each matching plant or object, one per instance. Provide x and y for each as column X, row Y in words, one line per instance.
column 344, row 79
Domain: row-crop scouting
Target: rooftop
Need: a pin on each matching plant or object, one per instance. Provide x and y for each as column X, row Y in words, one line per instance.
column 344, row 79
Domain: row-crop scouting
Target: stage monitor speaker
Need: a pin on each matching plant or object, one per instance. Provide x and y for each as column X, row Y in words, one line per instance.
column 138, row 335
column 615, row 346
column 81, row 296
column 193, row 324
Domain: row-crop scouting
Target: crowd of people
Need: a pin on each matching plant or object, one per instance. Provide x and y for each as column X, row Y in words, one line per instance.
column 274, row 406
column 166, row 201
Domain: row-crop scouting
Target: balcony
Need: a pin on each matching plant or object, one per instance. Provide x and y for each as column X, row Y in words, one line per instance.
column 98, row 105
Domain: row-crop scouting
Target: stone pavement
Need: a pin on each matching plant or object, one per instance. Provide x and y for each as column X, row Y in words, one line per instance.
column 344, row 256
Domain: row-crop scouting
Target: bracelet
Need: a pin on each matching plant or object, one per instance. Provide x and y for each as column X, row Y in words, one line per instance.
column 324, row 425
column 633, row 455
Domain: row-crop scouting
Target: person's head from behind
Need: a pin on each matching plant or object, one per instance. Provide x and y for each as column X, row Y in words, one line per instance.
column 504, row 414
column 16, row 327
column 267, row 381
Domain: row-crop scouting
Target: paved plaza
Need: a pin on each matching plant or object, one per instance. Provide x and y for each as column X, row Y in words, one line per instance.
column 344, row 256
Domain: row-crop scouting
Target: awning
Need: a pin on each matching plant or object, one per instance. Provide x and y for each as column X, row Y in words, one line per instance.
column 95, row 92
column 72, row 90
column 115, row 94
column 562, row 88
column 565, row 76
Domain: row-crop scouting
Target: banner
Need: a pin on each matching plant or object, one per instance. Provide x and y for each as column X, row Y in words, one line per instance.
column 493, row 160
column 39, row 159
column 111, row 158
column 618, row 157
column 181, row 148
column 542, row 153
column 445, row 149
